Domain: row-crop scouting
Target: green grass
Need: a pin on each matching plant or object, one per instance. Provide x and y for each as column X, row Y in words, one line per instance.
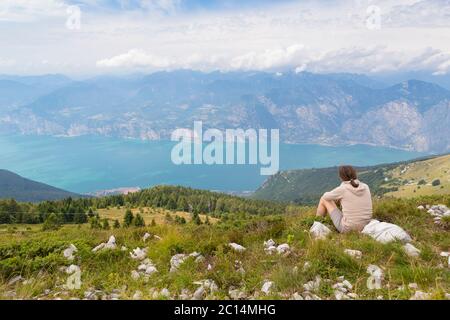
column 36, row 255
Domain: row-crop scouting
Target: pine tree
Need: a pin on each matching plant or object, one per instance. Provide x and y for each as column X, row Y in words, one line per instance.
column 116, row 224
column 139, row 221
column 105, row 224
column 128, row 218
column 196, row 219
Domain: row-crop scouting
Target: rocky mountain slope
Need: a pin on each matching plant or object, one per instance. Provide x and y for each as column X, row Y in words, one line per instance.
column 307, row 108
column 427, row 176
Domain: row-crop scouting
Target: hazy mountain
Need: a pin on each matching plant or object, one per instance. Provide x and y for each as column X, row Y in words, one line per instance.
column 306, row 107
column 22, row 189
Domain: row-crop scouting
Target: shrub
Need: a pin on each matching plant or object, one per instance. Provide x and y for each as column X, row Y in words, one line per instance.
column 52, row 222
column 95, row 222
column 436, row 182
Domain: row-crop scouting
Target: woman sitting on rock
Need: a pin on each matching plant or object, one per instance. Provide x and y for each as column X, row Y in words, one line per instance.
column 355, row 199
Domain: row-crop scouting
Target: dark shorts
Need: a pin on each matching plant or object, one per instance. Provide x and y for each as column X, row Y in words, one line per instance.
column 336, row 217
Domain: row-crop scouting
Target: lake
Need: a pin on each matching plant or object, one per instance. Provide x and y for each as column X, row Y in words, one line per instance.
column 90, row 163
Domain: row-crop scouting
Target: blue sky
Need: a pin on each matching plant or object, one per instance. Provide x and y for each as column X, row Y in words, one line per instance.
column 89, row 37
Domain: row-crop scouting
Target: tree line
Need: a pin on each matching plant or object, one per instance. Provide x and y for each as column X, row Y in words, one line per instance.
column 195, row 201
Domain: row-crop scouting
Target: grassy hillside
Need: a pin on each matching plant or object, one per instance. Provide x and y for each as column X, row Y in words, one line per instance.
column 37, row 256
column 396, row 179
column 416, row 178
column 13, row 186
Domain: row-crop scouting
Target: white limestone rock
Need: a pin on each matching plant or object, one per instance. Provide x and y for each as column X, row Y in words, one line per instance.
column 69, row 252
column 319, row 230
column 267, row 287
column 376, row 277
column 237, row 247
column 353, row 253
column 411, row 250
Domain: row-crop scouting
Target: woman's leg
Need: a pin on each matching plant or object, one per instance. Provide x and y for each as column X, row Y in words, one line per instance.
column 324, row 207
column 332, row 209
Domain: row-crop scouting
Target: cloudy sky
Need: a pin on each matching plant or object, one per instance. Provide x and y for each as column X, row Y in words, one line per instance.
column 90, row 37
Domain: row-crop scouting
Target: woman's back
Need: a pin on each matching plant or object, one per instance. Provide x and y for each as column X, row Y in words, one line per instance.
column 356, row 204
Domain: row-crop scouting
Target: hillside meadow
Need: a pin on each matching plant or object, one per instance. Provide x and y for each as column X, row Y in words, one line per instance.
column 33, row 266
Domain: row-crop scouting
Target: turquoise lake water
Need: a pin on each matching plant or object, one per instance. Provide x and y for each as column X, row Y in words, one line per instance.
column 85, row 164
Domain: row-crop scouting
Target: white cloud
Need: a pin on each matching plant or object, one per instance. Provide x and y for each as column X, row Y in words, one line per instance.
column 305, row 35
column 136, row 58
column 298, row 57
column 29, row 10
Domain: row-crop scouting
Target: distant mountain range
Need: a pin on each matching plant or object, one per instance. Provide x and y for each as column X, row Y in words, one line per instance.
column 13, row 186
column 307, row 108
column 425, row 176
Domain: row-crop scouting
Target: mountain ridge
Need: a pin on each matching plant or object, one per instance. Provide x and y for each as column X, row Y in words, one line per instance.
column 334, row 109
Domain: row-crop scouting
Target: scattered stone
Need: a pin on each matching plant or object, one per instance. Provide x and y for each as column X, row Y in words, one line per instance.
column 74, row 280
column 237, row 247
column 319, row 230
column 146, row 236
column 270, row 247
column 380, row 297
column 15, row 280
column 111, row 244
column 238, row 266
column 419, row 295
column 269, row 243
column 413, row 286
column 376, row 277
column 310, row 296
column 123, row 248
column 177, row 260
column 313, row 285
column 93, row 294
column 236, row 294
column 353, row 253
column 199, row 294
column 157, row 237
column 267, row 286
column 138, row 253
column 68, row 253
column 209, row 267
column 184, row 295
column 306, row 265
column 421, row 207
column 411, row 250
column 165, row 293
column 137, row 295
column 147, row 267
column 342, row 289
column 447, row 296
column 297, row 296
column 135, row 275
column 438, row 212
column 206, row 287
column 284, row 249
